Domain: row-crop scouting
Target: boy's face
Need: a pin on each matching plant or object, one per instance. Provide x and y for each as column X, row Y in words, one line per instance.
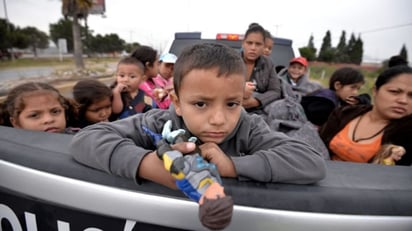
column 210, row 105
column 296, row 70
column 130, row 75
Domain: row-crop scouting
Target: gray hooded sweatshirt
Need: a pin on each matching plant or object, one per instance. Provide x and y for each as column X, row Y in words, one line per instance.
column 304, row 86
column 258, row 153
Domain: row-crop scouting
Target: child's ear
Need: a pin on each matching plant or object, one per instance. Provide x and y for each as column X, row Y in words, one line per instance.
column 337, row 85
column 176, row 103
column 14, row 122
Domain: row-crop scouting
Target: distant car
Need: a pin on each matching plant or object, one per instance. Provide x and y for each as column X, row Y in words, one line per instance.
column 43, row 188
column 7, row 55
column 282, row 51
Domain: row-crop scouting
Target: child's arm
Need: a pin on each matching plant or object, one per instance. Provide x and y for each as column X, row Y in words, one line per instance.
column 151, row 168
column 117, row 103
column 122, row 149
column 264, row 155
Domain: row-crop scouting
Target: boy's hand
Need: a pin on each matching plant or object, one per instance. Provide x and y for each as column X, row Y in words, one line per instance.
column 250, row 87
column 212, row 153
column 120, row 87
column 184, row 147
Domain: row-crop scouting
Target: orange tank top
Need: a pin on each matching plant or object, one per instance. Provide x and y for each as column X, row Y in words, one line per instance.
column 345, row 149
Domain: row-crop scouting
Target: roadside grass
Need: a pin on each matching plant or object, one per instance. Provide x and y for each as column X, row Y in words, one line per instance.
column 67, row 62
column 321, row 72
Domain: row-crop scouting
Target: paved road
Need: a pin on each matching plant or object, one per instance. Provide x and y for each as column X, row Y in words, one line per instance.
column 12, row 77
column 21, row 73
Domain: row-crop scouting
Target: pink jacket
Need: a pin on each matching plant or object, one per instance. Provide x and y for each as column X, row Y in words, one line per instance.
column 149, row 85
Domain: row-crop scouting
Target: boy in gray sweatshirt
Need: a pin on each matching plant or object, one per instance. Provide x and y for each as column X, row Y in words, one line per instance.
column 209, row 84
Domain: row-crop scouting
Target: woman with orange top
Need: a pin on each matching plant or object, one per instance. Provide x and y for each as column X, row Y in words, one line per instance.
column 356, row 133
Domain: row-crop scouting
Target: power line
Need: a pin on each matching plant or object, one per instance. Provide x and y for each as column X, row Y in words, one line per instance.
column 385, row 28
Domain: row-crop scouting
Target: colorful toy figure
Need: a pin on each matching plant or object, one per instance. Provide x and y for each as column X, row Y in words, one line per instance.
column 195, row 177
column 388, row 154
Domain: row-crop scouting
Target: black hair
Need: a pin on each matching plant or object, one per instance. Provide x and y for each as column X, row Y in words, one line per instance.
column 145, row 54
column 88, row 91
column 132, row 61
column 14, row 104
column 397, row 60
column 256, row 28
column 390, row 73
column 268, row 35
column 207, row 56
column 345, row 76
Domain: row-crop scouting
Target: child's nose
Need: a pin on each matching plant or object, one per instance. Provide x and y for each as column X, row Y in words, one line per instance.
column 217, row 117
column 48, row 118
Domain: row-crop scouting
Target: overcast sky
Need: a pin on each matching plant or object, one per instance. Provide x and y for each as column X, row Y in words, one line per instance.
column 384, row 25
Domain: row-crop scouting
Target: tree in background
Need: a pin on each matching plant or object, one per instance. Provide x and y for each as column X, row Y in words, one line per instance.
column 5, row 35
column 62, row 29
column 357, row 52
column 350, row 53
column 15, row 37
column 404, row 52
column 355, row 49
column 129, row 47
column 77, row 9
column 35, row 39
column 110, row 43
column 10, row 36
column 342, row 50
column 309, row 52
column 327, row 52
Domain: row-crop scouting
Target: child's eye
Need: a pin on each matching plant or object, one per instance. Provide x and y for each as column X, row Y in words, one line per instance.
column 200, row 104
column 56, row 111
column 133, row 76
column 233, row 104
column 33, row 115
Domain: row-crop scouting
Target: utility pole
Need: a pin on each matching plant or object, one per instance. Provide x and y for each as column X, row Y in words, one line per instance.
column 8, row 28
column 131, row 36
column 277, row 28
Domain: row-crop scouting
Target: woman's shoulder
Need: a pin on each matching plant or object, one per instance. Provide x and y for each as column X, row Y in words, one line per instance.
column 264, row 62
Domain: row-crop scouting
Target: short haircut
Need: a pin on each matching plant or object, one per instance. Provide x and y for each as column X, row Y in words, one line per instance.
column 346, row 76
column 131, row 61
column 207, row 56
